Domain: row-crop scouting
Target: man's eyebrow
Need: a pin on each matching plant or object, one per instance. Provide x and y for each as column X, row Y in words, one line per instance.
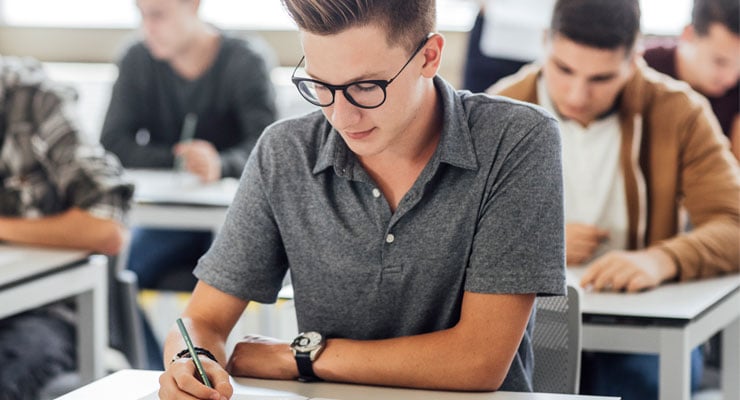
column 363, row 77
column 594, row 78
column 562, row 65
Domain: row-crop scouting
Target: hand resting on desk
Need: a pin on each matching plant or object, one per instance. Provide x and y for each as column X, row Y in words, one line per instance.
column 200, row 158
column 262, row 357
column 581, row 242
column 629, row 271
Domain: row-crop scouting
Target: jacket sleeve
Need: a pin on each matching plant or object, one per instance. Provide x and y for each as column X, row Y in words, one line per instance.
column 710, row 185
column 126, row 115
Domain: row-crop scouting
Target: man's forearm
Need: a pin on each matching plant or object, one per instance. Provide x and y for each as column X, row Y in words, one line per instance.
column 74, row 228
column 475, row 355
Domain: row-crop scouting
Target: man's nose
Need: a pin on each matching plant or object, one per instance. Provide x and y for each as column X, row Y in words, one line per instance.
column 343, row 113
column 578, row 94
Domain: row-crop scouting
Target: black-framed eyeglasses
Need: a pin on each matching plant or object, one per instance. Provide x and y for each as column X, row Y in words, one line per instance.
column 363, row 94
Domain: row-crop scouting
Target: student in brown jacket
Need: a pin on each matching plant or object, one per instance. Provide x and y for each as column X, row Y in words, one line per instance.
column 638, row 148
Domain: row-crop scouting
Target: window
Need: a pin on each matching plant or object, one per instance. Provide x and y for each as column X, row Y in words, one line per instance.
column 661, row 17
column 229, row 14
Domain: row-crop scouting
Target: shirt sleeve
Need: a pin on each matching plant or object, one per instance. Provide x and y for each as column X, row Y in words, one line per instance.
column 519, row 246
column 248, row 258
column 84, row 174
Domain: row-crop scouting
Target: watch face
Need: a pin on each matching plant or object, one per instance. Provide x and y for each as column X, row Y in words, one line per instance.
column 307, row 341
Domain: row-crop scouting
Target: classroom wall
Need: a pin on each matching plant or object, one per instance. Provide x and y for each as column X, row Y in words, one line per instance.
column 104, row 45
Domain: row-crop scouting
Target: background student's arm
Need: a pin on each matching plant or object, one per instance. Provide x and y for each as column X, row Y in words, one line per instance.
column 126, row 115
column 74, row 228
column 710, row 181
column 209, row 317
column 475, row 354
column 86, row 180
column 249, row 82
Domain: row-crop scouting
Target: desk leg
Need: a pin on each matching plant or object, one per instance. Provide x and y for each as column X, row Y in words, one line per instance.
column 92, row 328
column 675, row 365
column 731, row 361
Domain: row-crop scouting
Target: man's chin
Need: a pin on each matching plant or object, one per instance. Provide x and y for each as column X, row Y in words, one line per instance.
column 158, row 53
column 715, row 91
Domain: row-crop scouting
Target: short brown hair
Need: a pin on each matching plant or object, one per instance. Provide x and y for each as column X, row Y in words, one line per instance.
column 604, row 24
column 707, row 12
column 406, row 22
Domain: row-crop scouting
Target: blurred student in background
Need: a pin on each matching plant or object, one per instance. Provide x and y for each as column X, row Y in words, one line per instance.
column 54, row 191
column 507, row 34
column 637, row 146
column 707, row 57
column 187, row 92
column 186, row 79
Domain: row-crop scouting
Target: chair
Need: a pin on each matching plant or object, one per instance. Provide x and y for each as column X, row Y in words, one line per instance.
column 556, row 343
column 126, row 337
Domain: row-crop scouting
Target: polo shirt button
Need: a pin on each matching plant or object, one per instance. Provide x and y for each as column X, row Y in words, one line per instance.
column 376, row 193
column 390, row 238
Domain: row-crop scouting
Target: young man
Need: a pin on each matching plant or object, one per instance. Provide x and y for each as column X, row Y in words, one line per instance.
column 637, row 147
column 707, row 57
column 186, row 79
column 418, row 223
column 54, row 191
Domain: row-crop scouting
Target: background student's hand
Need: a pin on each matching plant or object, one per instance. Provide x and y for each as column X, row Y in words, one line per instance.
column 581, row 242
column 201, row 158
column 179, row 381
column 262, row 357
column 629, row 271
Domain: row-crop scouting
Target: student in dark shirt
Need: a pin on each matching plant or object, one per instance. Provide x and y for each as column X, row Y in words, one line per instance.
column 185, row 67
column 707, row 57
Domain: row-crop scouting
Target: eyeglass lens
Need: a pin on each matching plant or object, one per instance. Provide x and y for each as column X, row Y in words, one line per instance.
column 365, row 94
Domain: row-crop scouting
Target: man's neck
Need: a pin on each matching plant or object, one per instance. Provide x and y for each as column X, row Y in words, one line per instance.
column 195, row 59
column 396, row 170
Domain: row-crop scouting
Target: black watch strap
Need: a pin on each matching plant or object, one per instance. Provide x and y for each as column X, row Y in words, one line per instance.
column 305, row 368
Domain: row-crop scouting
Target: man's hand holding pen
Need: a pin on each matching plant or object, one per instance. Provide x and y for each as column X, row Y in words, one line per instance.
column 181, row 376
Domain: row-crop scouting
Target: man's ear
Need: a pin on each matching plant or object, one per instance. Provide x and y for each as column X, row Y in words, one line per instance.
column 432, row 52
column 195, row 5
column 634, row 57
column 688, row 34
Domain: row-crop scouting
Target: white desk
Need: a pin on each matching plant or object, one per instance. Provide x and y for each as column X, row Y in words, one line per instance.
column 669, row 321
column 177, row 200
column 31, row 277
column 143, row 385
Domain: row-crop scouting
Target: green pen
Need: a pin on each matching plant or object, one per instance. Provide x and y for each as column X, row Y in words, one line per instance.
column 193, row 354
column 186, row 135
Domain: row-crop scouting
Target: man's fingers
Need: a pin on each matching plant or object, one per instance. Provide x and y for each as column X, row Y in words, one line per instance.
column 184, row 374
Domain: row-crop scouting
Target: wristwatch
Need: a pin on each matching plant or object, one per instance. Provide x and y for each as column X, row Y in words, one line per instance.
column 306, row 348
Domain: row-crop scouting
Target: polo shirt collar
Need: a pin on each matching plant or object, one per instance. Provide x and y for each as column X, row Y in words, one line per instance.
column 455, row 146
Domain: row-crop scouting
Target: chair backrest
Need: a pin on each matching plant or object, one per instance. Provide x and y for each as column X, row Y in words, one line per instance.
column 124, row 315
column 557, row 343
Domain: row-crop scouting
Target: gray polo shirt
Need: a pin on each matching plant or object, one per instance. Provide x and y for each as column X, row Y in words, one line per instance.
column 485, row 215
